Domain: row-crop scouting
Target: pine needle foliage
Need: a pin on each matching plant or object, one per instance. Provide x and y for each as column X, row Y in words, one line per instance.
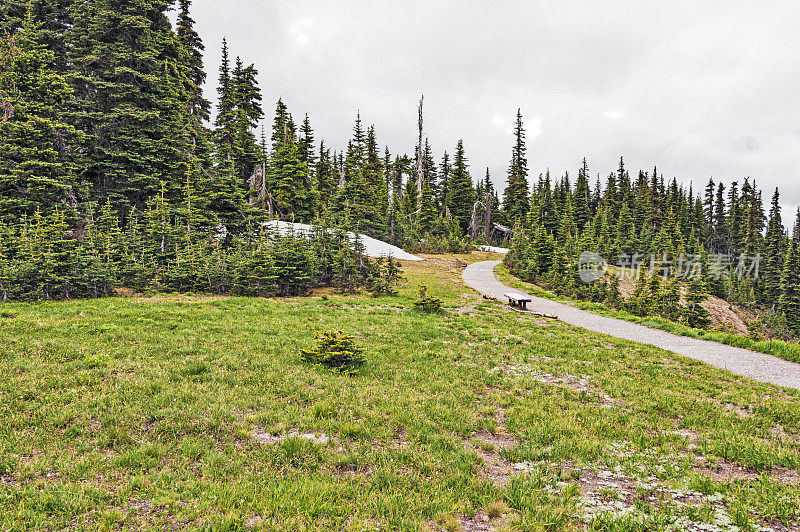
column 336, row 351
column 426, row 303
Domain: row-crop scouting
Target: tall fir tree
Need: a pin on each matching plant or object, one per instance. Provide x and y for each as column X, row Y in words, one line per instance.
column 247, row 114
column 773, row 255
column 225, row 121
column 193, row 48
column 581, row 198
column 461, row 196
column 131, row 98
column 789, row 303
column 39, row 149
column 516, row 201
column 444, row 179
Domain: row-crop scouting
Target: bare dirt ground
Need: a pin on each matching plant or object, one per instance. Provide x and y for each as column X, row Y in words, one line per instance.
column 723, row 314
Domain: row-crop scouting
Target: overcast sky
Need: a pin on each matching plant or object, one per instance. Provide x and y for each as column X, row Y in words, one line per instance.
column 700, row 89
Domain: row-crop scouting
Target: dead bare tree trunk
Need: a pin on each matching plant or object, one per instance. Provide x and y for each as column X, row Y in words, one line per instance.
column 270, row 211
column 263, row 190
column 473, row 223
column 487, row 222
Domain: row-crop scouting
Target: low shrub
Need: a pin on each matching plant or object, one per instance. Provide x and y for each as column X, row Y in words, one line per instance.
column 336, row 351
column 425, row 303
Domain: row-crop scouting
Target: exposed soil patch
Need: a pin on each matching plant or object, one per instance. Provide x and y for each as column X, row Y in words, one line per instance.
column 607, row 490
column 183, row 298
column 367, row 308
column 739, row 411
column 480, row 522
column 496, row 469
column 580, row 384
column 488, row 446
column 779, row 433
column 528, row 316
column 352, row 471
column 498, row 441
column 727, row 472
column 139, row 506
column 454, row 264
column 400, row 441
column 254, row 521
column 270, row 439
column 687, row 434
column 723, row 315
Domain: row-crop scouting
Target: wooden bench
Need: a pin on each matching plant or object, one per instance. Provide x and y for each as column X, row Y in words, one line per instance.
column 518, row 300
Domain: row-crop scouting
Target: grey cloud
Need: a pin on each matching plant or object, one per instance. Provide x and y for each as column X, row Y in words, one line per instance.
column 698, row 88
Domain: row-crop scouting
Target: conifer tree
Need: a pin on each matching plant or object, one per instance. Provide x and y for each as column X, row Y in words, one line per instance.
column 580, row 200
column 38, row 148
column 709, row 214
column 773, row 255
column 247, row 114
column 444, row 180
column 462, row 192
column 54, row 19
column 376, row 199
column 305, row 144
column 289, row 183
column 427, row 212
column 720, row 242
column 672, row 300
column 611, row 199
column 193, row 48
column 12, row 16
column 789, row 303
column 733, row 219
column 696, row 315
column 516, row 196
column 623, row 181
column 131, row 98
column 429, row 172
column 613, row 295
column 225, row 122
column 325, row 173
column 657, row 296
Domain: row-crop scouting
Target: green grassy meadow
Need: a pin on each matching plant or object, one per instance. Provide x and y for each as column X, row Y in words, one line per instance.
column 169, row 412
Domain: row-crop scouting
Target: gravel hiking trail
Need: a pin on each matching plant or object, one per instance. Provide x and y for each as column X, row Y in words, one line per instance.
column 757, row 366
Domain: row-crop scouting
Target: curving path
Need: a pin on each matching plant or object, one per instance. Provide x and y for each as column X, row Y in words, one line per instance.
column 757, row 366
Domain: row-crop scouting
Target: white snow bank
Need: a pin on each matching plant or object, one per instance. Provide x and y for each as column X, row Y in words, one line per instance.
column 493, row 249
column 372, row 247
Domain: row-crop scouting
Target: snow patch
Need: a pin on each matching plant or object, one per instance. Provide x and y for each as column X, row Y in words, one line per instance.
column 372, row 246
column 493, row 249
